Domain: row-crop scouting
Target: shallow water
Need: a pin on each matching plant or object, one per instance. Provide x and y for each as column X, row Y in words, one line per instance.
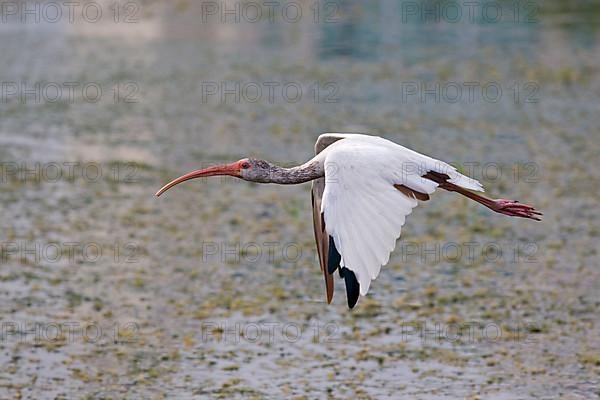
column 214, row 287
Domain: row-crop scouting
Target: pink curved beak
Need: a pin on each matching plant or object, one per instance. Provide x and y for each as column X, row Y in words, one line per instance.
column 232, row 169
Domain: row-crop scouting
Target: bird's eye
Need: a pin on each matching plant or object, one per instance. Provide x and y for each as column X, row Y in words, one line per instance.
column 246, row 165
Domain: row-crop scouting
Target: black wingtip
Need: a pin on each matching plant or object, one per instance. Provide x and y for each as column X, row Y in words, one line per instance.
column 352, row 287
column 334, row 258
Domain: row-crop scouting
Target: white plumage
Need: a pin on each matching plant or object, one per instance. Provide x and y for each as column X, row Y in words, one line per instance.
column 363, row 210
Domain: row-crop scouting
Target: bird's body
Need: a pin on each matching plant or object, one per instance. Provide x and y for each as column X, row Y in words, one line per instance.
column 363, row 188
column 363, row 209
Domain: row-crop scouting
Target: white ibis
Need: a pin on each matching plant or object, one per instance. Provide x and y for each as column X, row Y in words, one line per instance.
column 363, row 189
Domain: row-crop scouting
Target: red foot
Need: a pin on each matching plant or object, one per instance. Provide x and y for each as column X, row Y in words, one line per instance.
column 513, row 208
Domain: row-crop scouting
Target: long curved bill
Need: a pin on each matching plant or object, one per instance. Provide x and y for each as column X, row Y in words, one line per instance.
column 232, row 169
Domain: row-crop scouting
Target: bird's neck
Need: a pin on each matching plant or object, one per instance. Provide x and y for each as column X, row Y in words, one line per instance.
column 309, row 171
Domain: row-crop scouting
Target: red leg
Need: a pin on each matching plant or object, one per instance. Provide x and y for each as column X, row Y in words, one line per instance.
column 511, row 208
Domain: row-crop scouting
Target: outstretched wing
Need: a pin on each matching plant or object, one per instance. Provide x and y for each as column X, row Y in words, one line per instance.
column 371, row 185
column 321, row 236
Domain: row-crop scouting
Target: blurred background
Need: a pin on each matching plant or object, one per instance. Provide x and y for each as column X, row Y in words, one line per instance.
column 214, row 290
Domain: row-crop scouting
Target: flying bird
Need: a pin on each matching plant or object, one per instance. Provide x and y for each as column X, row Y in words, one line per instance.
column 363, row 187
